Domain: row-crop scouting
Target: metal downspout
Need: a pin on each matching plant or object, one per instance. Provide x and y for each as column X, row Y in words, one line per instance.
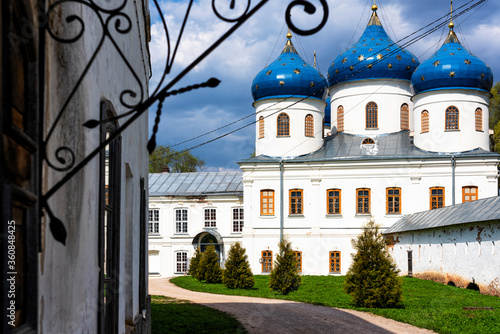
column 281, row 200
column 453, row 164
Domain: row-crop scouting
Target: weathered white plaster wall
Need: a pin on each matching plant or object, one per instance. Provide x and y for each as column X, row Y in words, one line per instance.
column 297, row 143
column 440, row 140
column 461, row 254
column 388, row 94
column 69, row 275
column 167, row 242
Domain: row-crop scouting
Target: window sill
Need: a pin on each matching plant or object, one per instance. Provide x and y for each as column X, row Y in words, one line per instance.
column 334, row 216
column 452, row 130
column 282, row 136
column 179, row 273
column 154, row 236
column 336, row 273
column 295, row 216
column 393, row 215
column 363, row 214
column 181, row 233
column 236, row 233
column 371, row 128
column 267, row 216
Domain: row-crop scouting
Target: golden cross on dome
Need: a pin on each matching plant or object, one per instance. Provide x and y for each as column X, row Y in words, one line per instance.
column 451, row 25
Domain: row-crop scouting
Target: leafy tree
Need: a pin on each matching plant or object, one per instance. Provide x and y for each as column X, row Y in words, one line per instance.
column 495, row 105
column 284, row 277
column 238, row 274
column 209, row 267
column 177, row 162
column 372, row 280
column 194, row 264
column 495, row 145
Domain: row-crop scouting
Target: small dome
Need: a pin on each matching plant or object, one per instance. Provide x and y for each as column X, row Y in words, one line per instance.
column 289, row 75
column 374, row 56
column 452, row 66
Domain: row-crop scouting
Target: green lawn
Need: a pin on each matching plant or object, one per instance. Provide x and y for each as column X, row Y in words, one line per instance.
column 426, row 304
column 171, row 315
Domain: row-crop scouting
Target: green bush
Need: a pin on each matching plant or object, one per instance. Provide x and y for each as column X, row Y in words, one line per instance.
column 209, row 267
column 372, row 280
column 284, row 277
column 238, row 274
column 194, row 264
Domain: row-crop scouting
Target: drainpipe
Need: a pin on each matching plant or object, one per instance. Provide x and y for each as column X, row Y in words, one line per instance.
column 281, row 200
column 453, row 164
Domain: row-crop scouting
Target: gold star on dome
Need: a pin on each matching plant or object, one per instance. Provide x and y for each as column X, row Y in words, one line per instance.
column 353, row 51
column 452, row 74
column 283, row 64
column 279, row 58
column 408, row 67
column 344, row 60
column 269, row 72
column 436, row 63
column 370, row 49
column 296, row 71
column 369, row 66
column 377, row 44
column 305, row 64
column 351, row 68
column 311, row 84
column 467, row 61
column 256, row 87
column 361, row 57
column 380, row 56
column 398, row 57
column 282, row 83
column 373, row 39
column 292, row 58
column 422, row 78
column 413, row 60
column 388, row 49
column 459, row 49
column 365, row 44
column 452, row 54
column 482, row 75
column 445, row 49
column 389, row 66
column 336, row 71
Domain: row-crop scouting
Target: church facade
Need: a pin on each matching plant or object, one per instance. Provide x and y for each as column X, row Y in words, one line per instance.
column 404, row 137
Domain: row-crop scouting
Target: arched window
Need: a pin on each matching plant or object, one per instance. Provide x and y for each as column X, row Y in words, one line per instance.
column 261, row 127
column 405, row 117
column 309, row 126
column 333, row 201
column 371, row 115
column 267, row 261
column 451, row 118
column 479, row 119
column 340, row 118
column 368, row 141
column 424, row 121
column 283, row 125
column 267, row 202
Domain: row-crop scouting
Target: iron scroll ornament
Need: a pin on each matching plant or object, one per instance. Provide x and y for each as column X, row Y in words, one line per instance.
column 115, row 21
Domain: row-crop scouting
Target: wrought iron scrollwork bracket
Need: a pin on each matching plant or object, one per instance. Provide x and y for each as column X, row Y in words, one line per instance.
column 115, row 20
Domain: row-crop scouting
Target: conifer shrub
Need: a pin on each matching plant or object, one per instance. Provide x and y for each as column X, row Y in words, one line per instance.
column 209, row 267
column 194, row 264
column 238, row 274
column 372, row 280
column 284, row 277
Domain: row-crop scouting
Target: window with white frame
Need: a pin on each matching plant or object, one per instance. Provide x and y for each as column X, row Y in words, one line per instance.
column 181, row 221
column 154, row 221
column 237, row 220
column 181, row 262
column 210, row 218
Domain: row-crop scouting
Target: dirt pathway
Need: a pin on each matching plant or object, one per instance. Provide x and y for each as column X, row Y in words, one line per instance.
column 261, row 315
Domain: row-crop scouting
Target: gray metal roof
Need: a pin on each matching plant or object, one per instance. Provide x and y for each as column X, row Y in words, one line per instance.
column 195, row 184
column 483, row 210
column 343, row 146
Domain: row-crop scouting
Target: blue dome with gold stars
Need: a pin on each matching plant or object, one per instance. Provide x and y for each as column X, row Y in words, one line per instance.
column 374, row 56
column 289, row 75
column 452, row 67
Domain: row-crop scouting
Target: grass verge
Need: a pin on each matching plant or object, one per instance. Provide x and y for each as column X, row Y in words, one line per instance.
column 171, row 315
column 426, row 304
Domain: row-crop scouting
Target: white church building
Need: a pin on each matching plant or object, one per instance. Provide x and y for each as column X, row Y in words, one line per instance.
column 382, row 137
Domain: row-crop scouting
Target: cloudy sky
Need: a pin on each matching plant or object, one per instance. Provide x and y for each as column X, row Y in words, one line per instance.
column 259, row 42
